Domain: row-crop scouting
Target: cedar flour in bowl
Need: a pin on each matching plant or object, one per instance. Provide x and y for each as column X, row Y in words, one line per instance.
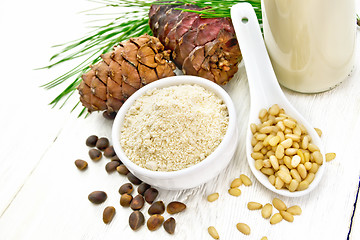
column 172, row 128
column 177, row 132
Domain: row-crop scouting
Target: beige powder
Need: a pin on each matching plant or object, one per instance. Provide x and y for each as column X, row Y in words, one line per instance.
column 174, row 128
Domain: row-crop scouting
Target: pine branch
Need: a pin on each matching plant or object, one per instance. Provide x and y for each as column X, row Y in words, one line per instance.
column 132, row 21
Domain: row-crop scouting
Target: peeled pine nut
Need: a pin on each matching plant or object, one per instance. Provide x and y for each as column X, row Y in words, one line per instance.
column 310, row 177
column 290, row 151
column 253, row 141
column 278, row 183
column 234, row 192
column 264, row 238
column 294, row 210
column 287, row 131
column 308, row 165
column 289, row 123
column 213, row 233
column 236, row 183
column 301, row 155
column 313, row 147
column 267, row 139
column 295, row 145
column 287, row 143
column 276, row 218
column 254, row 206
column 295, row 175
column 278, row 204
column 243, row 228
column 314, row 168
column 262, row 113
column 330, row 156
column 281, row 125
column 295, row 161
column 245, row 179
column 318, row 157
column 266, row 211
column 302, row 171
column 293, row 185
column 267, row 123
column 260, row 137
column 267, row 163
column 318, row 131
column 274, row 110
column 279, row 153
column 297, row 130
column 272, row 179
column 257, row 155
column 303, row 185
column 294, row 137
column 213, row 197
column 280, row 135
column 267, row 171
column 287, row 162
column 287, row 216
column 284, row 176
column 253, row 128
column 266, row 129
column 270, row 153
column 305, row 142
column 264, row 151
column 259, row 164
column 274, row 141
column 274, row 162
column 284, row 168
column 258, row 146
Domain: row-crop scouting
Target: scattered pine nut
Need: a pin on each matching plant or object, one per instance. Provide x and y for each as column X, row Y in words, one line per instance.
column 236, row 183
column 330, row 156
column 264, row 238
column 254, row 206
column 287, row 216
column 276, row 218
column 213, row 233
column 318, row 131
column 279, row 205
column 243, row 228
column 213, row 197
column 266, row 211
column 234, row 192
column 294, row 210
column 245, row 180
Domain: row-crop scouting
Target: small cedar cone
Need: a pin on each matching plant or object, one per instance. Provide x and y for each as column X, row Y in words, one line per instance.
column 205, row 47
column 131, row 65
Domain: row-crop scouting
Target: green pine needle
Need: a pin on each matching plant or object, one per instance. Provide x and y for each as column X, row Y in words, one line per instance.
column 131, row 21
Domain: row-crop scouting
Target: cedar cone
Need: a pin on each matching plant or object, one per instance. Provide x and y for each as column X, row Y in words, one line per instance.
column 131, row 65
column 205, row 47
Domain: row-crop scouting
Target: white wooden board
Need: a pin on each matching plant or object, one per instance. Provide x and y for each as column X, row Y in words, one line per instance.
column 43, row 195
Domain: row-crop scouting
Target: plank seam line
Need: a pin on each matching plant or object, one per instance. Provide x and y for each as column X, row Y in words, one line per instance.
column 354, row 210
column 31, row 172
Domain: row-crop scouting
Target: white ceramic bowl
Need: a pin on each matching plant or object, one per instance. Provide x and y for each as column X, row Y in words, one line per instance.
column 192, row 176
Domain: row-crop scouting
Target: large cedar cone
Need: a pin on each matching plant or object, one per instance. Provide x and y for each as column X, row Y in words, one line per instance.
column 131, row 65
column 205, row 47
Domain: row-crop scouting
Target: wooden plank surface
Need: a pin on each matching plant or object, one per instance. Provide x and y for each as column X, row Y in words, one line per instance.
column 43, row 195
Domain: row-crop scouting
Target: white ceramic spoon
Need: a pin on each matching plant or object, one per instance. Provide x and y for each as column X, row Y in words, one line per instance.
column 264, row 89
